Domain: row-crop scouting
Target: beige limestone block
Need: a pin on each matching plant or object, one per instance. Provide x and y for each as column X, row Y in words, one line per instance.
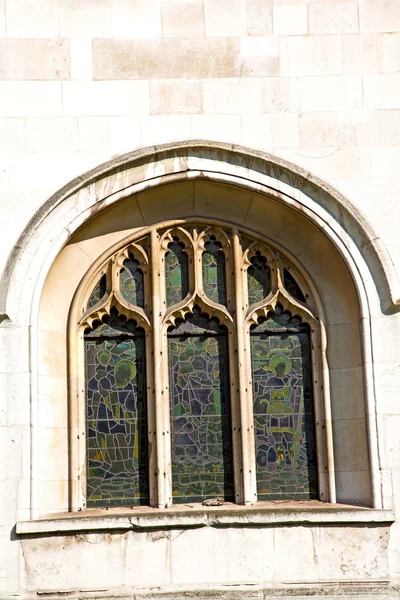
column 27, row 19
column 382, row 91
column 176, row 97
column 225, row 18
column 336, row 93
column 11, row 441
column 345, row 405
column 379, row 15
column 257, row 131
column 81, row 58
column 280, row 94
column 290, row 20
column 225, row 128
column 136, row 19
column 311, row 55
column 12, row 135
column 321, row 129
column 257, row 66
column 34, row 59
column 53, row 406
column 53, row 496
column 181, row 20
column 10, row 558
column 30, row 98
column 232, row 95
column 259, row 17
column 387, row 377
column 391, row 440
column 2, row 18
column 221, row 200
column 391, row 52
column 94, row 134
column 285, row 130
column 54, row 443
column 97, row 98
column 125, row 134
column 302, row 564
column 195, row 58
column 52, row 134
column 333, row 16
column 362, row 53
column 385, row 162
column 91, row 18
column 165, row 128
column 251, row 46
column 353, row 487
column 178, row 197
column 350, row 445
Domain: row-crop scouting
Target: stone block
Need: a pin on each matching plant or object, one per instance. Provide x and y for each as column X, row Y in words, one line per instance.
column 12, row 135
column 81, row 58
column 88, row 19
column 350, row 446
column 54, row 444
column 385, row 162
column 53, row 401
column 333, row 16
column 382, row 91
column 345, row 405
column 387, row 377
column 163, row 59
column 232, row 95
column 353, row 487
column 259, row 17
column 225, row 128
column 176, row 97
column 163, row 128
column 257, row 66
column 30, row 98
column 379, row 15
column 26, row 19
column 252, row 46
column 136, row 19
column 52, row 134
column 12, row 451
column 225, row 18
column 14, row 350
column 362, row 53
column 285, row 130
column 290, row 20
column 34, row 59
column 106, row 98
column 15, row 390
column 332, row 93
column 321, row 129
column 390, row 52
column 218, row 199
column 94, row 134
column 10, row 556
column 302, row 564
column 391, row 441
column 2, row 18
column 311, row 55
column 182, row 20
column 280, row 94
column 125, row 134
column 344, row 347
column 257, row 131
column 53, row 496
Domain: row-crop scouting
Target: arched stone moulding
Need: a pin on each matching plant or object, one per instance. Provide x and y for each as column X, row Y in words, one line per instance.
column 362, row 251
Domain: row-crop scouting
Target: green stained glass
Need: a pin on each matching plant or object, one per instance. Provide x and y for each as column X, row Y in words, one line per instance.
column 200, row 411
column 283, row 410
column 117, row 469
column 98, row 292
column 292, row 286
column 176, row 273
column 213, row 270
column 258, row 279
column 131, row 283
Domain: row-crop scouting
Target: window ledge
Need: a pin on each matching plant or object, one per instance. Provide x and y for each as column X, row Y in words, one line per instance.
column 189, row 516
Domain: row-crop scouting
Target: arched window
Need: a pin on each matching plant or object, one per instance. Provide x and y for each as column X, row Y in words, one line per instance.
column 199, row 372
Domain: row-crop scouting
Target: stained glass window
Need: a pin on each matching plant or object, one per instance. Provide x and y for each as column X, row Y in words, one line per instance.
column 200, row 411
column 98, row 292
column 131, row 282
column 292, row 286
column 258, row 279
column 117, row 472
column 176, row 273
column 213, row 270
column 283, row 411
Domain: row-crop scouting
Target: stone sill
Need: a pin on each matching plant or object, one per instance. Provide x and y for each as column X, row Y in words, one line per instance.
column 191, row 516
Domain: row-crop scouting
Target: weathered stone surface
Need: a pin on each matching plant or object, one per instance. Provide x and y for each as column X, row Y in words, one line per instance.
column 34, row 59
column 191, row 26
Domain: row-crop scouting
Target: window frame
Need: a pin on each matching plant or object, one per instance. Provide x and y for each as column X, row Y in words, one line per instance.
column 158, row 410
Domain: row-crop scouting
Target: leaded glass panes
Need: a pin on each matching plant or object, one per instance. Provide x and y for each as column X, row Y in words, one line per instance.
column 117, row 470
column 98, row 292
column 258, row 279
column 283, row 411
column 213, row 271
column 131, row 282
column 200, row 411
column 292, row 286
column 176, row 273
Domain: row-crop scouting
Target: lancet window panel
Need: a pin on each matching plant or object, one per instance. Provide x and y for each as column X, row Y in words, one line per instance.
column 200, row 373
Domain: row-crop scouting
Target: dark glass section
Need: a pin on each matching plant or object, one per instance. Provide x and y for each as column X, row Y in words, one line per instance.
column 176, row 273
column 98, row 292
column 200, row 411
column 116, row 424
column 213, row 269
column 292, row 286
column 131, row 282
column 258, row 279
column 283, row 410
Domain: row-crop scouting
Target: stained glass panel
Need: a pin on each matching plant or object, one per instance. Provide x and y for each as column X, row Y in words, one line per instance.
column 258, row 279
column 200, row 412
column 213, row 269
column 117, row 470
column 283, row 410
column 98, row 292
column 176, row 273
column 131, row 283
column 292, row 286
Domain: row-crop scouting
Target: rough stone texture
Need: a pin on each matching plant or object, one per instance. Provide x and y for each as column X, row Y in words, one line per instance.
column 34, row 59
